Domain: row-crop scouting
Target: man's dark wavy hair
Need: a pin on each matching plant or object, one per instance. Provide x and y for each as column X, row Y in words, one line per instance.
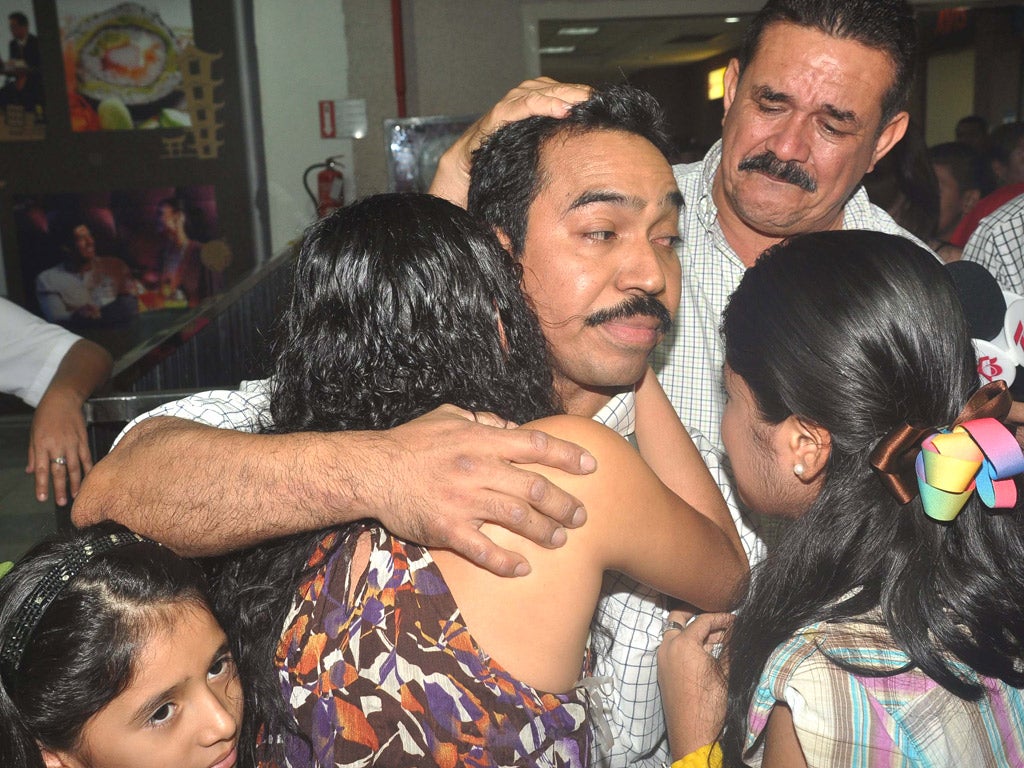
column 506, row 177
column 859, row 332
column 394, row 311
column 885, row 25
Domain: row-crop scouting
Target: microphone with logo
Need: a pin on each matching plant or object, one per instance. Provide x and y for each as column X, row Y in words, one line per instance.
column 996, row 322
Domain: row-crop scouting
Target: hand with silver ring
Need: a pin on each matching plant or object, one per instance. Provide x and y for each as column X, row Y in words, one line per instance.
column 670, row 625
column 59, row 460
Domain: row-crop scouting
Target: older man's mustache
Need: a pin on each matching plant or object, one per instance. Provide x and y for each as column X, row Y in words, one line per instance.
column 789, row 171
column 632, row 307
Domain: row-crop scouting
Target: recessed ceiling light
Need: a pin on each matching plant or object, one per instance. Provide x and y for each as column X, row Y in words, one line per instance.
column 579, row 30
column 554, row 49
column 732, row 19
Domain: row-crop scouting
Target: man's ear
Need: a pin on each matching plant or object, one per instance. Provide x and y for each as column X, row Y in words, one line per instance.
column 504, row 239
column 889, row 137
column 53, row 759
column 809, row 445
column 730, row 81
column 502, row 337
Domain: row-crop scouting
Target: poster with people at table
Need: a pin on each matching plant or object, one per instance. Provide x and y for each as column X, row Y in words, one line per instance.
column 105, row 258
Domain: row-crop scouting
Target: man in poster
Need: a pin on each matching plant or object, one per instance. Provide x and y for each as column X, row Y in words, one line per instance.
column 184, row 276
column 87, row 289
column 23, row 68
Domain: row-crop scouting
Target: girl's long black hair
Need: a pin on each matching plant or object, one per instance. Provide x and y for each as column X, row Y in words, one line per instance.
column 858, row 332
column 394, row 311
column 82, row 653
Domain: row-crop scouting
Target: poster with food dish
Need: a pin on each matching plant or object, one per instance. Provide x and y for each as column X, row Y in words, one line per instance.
column 122, row 63
column 104, row 258
column 22, row 101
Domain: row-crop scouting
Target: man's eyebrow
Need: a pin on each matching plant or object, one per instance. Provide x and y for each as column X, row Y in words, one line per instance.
column 766, row 93
column 590, row 197
column 841, row 115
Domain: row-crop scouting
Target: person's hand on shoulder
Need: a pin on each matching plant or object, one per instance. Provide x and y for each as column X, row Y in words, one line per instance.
column 458, row 471
column 542, row 96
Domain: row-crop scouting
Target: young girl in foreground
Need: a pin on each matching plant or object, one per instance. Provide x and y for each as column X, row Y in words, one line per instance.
column 887, row 627
column 385, row 652
column 110, row 657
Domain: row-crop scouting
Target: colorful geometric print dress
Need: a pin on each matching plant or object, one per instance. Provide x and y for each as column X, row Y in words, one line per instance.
column 397, row 679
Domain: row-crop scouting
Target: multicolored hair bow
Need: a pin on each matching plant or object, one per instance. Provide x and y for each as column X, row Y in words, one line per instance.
column 976, row 453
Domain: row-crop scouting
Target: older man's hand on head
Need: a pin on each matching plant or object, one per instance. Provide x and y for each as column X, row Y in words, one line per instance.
column 542, row 96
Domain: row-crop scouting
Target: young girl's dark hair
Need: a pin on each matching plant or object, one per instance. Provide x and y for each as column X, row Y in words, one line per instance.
column 859, row 332
column 58, row 669
column 395, row 310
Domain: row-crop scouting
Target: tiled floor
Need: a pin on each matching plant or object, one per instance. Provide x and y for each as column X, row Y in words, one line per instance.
column 23, row 520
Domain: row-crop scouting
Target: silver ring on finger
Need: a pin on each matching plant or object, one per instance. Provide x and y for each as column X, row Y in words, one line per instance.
column 672, row 624
column 59, row 460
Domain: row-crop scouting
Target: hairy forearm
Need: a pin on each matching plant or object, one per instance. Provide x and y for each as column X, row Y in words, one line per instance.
column 230, row 489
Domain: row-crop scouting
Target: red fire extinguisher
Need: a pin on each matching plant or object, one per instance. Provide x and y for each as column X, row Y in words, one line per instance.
column 330, row 185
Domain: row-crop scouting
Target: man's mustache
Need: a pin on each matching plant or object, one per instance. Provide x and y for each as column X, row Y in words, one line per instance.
column 632, row 307
column 789, row 171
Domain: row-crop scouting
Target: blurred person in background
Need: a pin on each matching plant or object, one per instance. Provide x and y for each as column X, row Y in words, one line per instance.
column 964, row 178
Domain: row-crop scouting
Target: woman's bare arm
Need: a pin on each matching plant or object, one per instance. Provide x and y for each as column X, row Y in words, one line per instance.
column 638, row 526
column 667, row 448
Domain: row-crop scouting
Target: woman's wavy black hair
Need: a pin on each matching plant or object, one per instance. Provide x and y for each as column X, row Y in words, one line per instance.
column 394, row 311
column 858, row 332
column 83, row 652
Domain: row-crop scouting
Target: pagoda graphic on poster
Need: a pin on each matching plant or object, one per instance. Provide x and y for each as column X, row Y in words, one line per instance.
column 201, row 139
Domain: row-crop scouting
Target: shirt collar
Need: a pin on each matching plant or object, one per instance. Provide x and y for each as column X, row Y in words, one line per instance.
column 619, row 413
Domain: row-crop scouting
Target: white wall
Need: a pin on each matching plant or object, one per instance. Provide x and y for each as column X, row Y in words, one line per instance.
column 302, row 58
column 371, row 76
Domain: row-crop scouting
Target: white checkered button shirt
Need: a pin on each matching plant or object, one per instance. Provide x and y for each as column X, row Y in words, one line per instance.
column 243, row 410
column 998, row 245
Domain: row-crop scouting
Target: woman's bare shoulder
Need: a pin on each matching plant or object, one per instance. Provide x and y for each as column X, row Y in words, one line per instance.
column 576, row 428
column 612, row 452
